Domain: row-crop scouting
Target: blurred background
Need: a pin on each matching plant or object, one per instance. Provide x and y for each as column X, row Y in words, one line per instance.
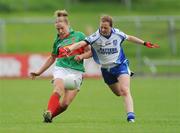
column 27, row 26
column 27, row 34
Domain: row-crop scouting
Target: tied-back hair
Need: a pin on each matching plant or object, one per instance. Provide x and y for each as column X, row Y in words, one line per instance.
column 63, row 19
column 108, row 19
column 61, row 13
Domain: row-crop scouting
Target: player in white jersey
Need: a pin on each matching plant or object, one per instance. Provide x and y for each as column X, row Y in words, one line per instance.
column 106, row 47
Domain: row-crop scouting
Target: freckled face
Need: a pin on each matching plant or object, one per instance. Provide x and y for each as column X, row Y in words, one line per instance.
column 61, row 26
column 105, row 28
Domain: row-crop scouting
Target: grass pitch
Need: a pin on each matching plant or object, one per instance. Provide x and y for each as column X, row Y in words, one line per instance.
column 95, row 109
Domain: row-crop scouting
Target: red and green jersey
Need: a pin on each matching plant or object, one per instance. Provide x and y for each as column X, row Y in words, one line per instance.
column 68, row 62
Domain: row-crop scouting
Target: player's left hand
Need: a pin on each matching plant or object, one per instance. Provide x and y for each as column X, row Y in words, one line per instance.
column 64, row 52
column 151, row 45
column 78, row 58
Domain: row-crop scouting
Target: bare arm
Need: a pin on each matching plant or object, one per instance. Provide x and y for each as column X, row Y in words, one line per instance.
column 50, row 60
column 141, row 42
column 77, row 45
column 135, row 40
column 87, row 54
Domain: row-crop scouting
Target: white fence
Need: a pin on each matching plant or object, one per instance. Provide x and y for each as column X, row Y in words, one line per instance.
column 137, row 20
column 172, row 24
column 173, row 37
column 171, row 20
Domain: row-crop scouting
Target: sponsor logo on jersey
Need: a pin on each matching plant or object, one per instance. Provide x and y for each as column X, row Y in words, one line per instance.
column 107, row 51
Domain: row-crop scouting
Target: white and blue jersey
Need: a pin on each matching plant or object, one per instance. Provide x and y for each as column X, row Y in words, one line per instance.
column 108, row 52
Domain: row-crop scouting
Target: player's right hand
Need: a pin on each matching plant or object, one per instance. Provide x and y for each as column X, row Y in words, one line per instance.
column 151, row 45
column 33, row 75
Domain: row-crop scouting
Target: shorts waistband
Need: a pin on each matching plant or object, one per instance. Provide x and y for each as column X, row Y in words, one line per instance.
column 108, row 66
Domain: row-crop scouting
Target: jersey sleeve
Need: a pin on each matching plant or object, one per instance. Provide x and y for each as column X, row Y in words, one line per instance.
column 92, row 38
column 125, row 36
column 121, row 34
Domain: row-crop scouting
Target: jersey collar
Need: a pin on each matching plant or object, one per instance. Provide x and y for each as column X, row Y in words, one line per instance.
column 107, row 37
column 70, row 32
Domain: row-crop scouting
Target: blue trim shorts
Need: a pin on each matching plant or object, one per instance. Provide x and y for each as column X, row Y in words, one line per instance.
column 111, row 74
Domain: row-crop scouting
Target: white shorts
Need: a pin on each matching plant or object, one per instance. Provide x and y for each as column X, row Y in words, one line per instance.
column 61, row 73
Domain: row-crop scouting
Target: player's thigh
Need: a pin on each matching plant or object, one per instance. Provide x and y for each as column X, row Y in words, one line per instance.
column 115, row 88
column 59, row 72
column 122, row 86
column 58, row 86
column 124, row 81
column 69, row 95
column 65, row 73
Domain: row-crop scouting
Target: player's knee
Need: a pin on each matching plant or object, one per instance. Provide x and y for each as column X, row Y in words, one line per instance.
column 124, row 91
column 58, row 89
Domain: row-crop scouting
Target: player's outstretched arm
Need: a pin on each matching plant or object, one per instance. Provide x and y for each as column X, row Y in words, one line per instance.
column 77, row 45
column 50, row 60
column 65, row 51
column 87, row 54
column 141, row 42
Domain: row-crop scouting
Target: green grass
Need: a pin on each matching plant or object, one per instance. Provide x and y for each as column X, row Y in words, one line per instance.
column 95, row 6
column 94, row 110
column 39, row 38
column 23, row 38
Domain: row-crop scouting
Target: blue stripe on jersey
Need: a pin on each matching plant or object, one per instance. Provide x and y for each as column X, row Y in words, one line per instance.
column 86, row 40
column 95, row 57
column 94, row 40
column 91, row 38
column 119, row 33
column 113, row 30
column 122, row 39
column 121, row 57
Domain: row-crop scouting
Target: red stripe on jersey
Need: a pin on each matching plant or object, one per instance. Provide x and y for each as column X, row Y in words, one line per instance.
column 72, row 53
